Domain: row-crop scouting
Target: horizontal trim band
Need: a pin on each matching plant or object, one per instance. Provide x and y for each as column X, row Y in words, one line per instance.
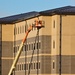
column 7, row 58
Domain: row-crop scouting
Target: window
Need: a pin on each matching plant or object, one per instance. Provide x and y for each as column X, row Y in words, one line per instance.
column 53, row 65
column 0, row 28
column 38, row 45
column 22, row 29
column 34, row 65
column 29, row 46
column 34, row 46
column 24, row 66
column 25, row 28
column 38, row 65
column 54, row 24
column 16, row 68
column 15, row 49
column 25, row 47
column 31, row 65
column 15, row 30
column 0, row 42
column 34, row 28
column 18, row 30
column 20, row 66
column 53, row 44
column 0, row 36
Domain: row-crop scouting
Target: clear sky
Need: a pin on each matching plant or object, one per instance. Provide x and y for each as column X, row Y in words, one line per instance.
column 13, row 7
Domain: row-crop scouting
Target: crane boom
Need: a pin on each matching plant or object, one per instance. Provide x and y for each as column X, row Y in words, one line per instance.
column 38, row 25
column 19, row 51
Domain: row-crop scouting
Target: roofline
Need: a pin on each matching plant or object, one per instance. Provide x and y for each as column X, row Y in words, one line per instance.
column 38, row 16
column 47, row 14
column 66, row 10
column 20, row 20
column 24, row 19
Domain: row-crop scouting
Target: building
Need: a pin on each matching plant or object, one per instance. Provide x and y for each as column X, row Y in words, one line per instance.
column 56, row 42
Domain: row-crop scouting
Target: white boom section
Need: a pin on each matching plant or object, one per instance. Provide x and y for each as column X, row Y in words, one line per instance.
column 16, row 59
column 19, row 52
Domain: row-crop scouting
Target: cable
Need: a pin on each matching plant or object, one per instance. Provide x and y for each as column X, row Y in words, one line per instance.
column 25, row 57
column 32, row 54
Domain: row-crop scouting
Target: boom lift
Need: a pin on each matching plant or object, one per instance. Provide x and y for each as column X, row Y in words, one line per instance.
column 38, row 25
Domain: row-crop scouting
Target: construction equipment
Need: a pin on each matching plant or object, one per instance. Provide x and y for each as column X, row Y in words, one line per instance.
column 38, row 25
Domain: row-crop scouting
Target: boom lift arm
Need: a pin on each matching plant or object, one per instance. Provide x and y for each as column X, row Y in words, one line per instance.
column 19, row 51
column 38, row 25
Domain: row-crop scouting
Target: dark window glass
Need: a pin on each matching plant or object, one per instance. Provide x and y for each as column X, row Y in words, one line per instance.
column 18, row 30
column 32, row 46
column 34, row 65
column 24, row 66
column 22, row 29
column 24, row 48
column 39, row 45
column 0, row 42
column 20, row 66
column 14, row 31
column 25, row 28
column 31, row 65
column 54, row 24
column 53, row 65
column 53, row 44
column 39, row 65
column 29, row 46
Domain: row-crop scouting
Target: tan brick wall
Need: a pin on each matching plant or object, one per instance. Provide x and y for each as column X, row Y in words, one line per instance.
column 55, row 34
column 44, row 31
column 7, row 32
column 67, row 43
column 7, row 47
column 68, row 35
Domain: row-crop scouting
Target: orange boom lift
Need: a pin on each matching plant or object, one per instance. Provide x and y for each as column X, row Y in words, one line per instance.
column 38, row 25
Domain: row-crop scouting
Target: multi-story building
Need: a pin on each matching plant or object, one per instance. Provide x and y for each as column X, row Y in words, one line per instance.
column 55, row 46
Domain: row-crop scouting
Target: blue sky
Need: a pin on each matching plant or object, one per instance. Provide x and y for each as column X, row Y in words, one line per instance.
column 13, row 7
